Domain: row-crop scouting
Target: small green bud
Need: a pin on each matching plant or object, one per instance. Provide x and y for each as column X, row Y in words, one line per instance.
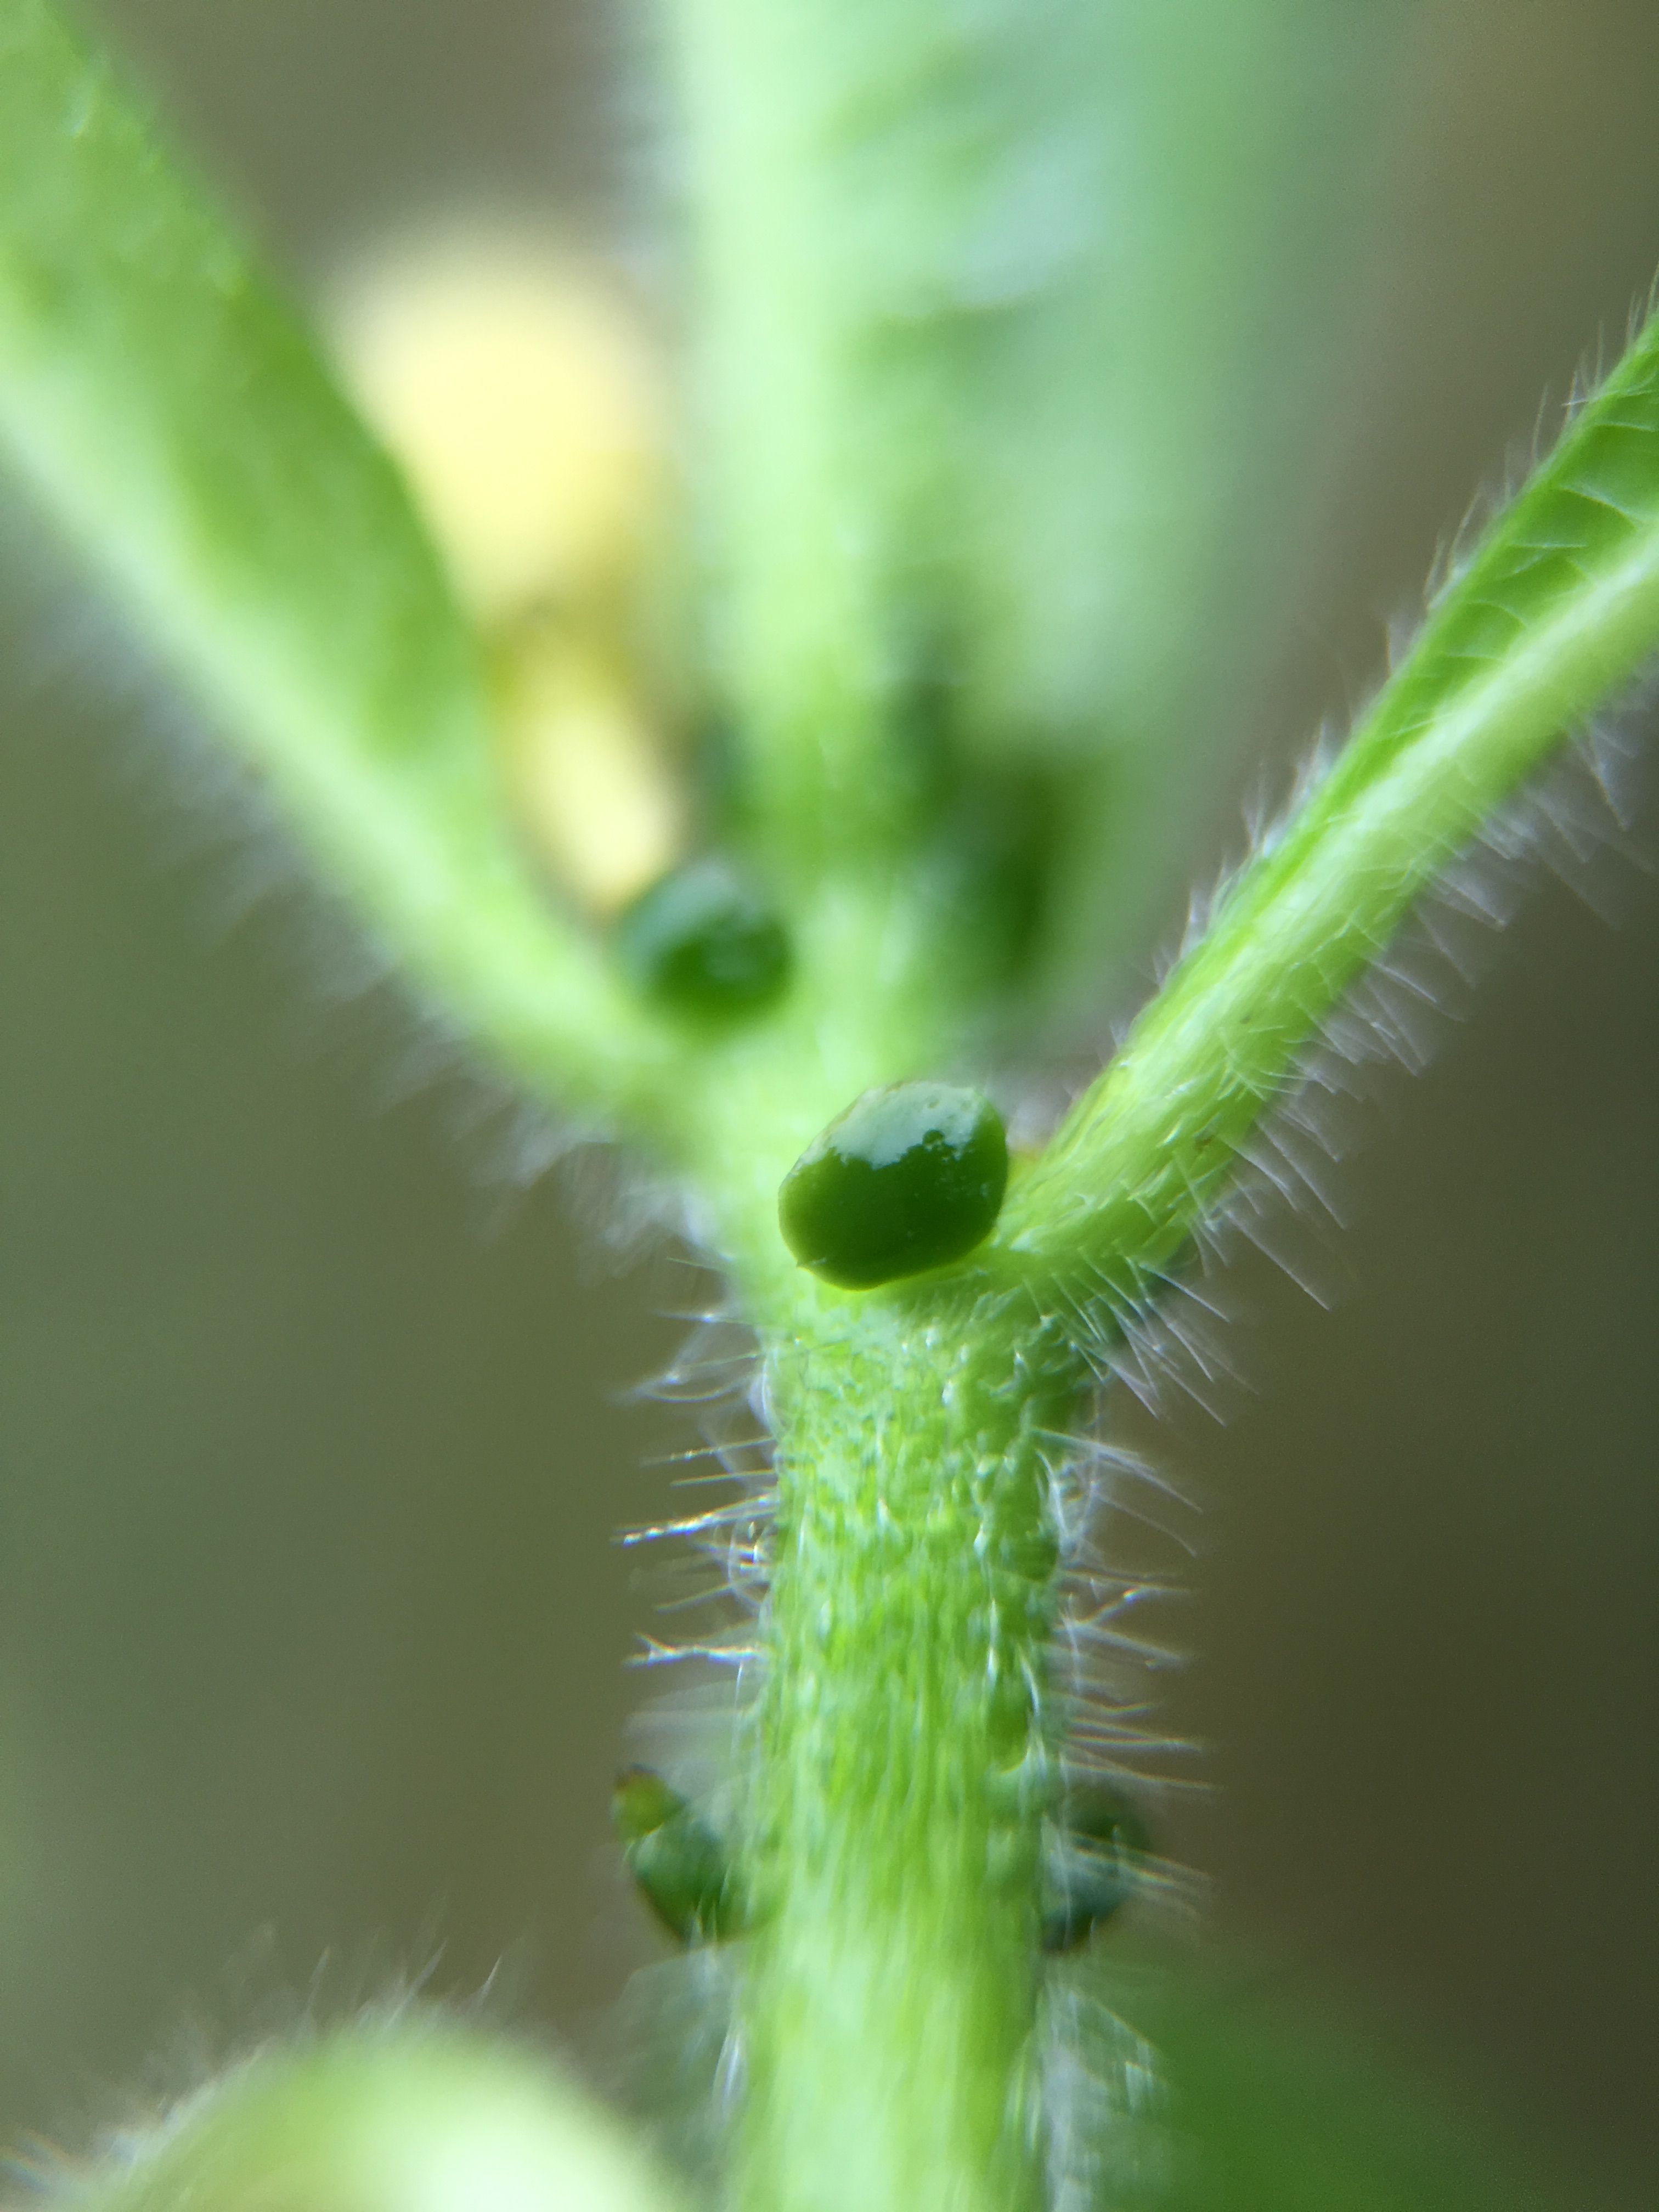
column 703, row 941
column 1094, row 1868
column 909, row 1177
column 680, row 1864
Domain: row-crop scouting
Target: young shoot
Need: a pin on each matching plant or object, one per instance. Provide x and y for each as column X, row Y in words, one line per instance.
column 971, row 295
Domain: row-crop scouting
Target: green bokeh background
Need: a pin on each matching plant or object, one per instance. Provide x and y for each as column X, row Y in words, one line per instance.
column 312, row 1444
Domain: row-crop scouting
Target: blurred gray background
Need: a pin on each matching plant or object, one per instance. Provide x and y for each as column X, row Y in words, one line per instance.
column 312, row 1631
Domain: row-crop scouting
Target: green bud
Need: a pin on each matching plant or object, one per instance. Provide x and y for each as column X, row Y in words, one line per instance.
column 1095, row 1867
column 703, row 941
column 680, row 1865
column 909, row 1177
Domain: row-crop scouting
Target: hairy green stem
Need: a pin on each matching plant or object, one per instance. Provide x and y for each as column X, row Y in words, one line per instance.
column 896, row 1867
column 1558, row 607
column 907, row 1754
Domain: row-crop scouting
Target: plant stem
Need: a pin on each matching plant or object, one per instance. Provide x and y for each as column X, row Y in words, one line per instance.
column 1556, row 609
column 1005, row 316
column 178, row 423
column 906, row 1757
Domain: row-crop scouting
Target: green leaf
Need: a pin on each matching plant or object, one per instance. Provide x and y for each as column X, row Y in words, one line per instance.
column 174, row 416
column 1276, row 2101
column 1556, row 609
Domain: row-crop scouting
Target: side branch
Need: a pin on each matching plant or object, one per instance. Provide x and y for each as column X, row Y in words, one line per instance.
column 1557, row 608
column 175, row 418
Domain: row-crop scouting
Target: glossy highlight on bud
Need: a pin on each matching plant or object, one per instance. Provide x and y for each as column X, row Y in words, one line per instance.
column 1095, row 1867
column 680, row 1865
column 703, row 941
column 909, row 1177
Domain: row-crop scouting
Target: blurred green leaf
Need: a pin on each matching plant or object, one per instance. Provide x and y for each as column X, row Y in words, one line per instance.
column 175, row 418
column 1271, row 2099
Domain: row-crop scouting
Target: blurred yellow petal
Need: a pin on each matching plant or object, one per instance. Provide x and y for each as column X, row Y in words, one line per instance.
column 518, row 391
column 585, row 769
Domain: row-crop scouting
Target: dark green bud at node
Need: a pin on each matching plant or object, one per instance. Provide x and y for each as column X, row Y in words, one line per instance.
column 1094, row 1867
column 703, row 941
column 909, row 1177
column 679, row 1864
